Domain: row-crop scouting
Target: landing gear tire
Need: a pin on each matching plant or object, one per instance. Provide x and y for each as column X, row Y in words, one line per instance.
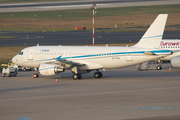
column 24, row 69
column 35, row 75
column 77, row 76
column 98, row 75
column 158, row 67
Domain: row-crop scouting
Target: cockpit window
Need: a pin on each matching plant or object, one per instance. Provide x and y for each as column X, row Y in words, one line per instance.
column 21, row 53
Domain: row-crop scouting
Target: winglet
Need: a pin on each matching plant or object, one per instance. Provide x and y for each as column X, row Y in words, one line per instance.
column 153, row 36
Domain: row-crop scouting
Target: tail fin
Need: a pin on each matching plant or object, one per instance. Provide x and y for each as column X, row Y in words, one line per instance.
column 153, row 36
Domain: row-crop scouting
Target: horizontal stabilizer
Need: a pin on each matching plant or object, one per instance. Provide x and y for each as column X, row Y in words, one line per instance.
column 148, row 53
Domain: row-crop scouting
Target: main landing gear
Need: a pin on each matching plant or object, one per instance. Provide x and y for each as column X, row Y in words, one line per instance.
column 77, row 76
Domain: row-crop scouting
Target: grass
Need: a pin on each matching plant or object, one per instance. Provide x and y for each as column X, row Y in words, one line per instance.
column 7, row 37
column 123, row 11
column 134, row 30
column 101, row 12
column 32, row 30
column 124, row 17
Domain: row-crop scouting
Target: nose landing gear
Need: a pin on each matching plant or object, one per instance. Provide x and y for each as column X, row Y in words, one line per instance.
column 36, row 74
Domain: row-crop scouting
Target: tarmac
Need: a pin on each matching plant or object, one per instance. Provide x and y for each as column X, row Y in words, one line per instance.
column 75, row 38
column 122, row 94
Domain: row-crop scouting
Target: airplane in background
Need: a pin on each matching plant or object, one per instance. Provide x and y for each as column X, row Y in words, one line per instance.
column 168, row 44
column 173, row 45
column 51, row 60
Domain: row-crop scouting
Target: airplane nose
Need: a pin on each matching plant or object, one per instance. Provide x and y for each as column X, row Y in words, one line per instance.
column 14, row 59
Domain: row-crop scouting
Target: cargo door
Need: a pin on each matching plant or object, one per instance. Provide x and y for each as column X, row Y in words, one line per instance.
column 129, row 55
column 30, row 55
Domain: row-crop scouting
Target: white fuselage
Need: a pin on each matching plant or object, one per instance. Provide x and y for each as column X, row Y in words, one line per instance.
column 108, row 57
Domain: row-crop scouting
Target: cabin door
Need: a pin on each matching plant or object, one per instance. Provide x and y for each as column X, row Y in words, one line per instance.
column 129, row 55
column 30, row 55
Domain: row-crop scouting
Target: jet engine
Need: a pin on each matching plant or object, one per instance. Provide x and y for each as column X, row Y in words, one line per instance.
column 50, row 69
column 175, row 61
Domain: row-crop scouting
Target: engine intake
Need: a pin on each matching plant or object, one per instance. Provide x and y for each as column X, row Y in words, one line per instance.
column 50, row 69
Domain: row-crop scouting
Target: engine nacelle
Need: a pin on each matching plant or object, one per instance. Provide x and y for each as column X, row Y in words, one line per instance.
column 175, row 61
column 50, row 69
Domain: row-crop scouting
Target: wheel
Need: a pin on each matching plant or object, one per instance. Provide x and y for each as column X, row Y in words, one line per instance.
column 101, row 75
column 77, row 76
column 98, row 74
column 24, row 69
column 158, row 67
column 35, row 75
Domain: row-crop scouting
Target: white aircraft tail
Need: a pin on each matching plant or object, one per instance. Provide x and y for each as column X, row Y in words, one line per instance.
column 153, row 36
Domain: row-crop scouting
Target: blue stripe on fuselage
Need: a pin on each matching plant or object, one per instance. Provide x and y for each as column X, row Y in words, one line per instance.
column 105, row 54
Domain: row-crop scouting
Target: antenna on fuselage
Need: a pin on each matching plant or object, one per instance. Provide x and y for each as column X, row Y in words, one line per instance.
column 38, row 44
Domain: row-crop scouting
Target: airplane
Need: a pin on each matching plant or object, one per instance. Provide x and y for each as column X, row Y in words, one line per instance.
column 170, row 44
column 173, row 45
column 51, row 60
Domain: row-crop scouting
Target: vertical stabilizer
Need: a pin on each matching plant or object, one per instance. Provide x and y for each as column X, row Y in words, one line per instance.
column 153, row 36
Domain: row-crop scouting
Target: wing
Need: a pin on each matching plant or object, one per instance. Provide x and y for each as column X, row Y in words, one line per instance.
column 69, row 62
column 79, row 64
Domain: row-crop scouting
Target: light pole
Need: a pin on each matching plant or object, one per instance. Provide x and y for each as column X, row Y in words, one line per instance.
column 93, row 24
